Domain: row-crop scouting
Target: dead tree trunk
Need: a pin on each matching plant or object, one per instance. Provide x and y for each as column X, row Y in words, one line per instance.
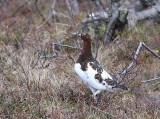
column 149, row 3
column 125, row 15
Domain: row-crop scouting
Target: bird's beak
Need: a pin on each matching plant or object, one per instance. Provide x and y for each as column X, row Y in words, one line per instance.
column 79, row 35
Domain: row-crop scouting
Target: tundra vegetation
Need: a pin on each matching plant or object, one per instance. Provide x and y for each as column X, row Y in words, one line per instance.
column 34, row 83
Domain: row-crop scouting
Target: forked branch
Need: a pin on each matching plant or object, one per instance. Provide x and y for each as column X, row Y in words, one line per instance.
column 54, row 54
column 128, row 69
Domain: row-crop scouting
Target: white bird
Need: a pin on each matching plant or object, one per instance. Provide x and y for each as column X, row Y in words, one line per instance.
column 91, row 72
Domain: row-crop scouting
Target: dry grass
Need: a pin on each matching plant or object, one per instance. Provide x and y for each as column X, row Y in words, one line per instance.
column 57, row 92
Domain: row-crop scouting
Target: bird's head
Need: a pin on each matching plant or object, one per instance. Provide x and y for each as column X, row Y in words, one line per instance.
column 84, row 36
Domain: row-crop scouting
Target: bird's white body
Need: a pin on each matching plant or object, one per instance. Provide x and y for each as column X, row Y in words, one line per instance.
column 88, row 77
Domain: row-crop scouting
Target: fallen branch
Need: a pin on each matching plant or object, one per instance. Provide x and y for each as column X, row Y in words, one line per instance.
column 126, row 15
column 97, row 16
column 137, row 6
column 149, row 3
column 133, row 17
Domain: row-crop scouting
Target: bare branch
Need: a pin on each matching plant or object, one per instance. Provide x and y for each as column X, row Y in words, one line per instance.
column 73, row 34
column 44, row 19
column 54, row 53
column 74, row 22
column 122, row 75
column 156, row 83
column 151, row 50
column 52, row 11
column 144, row 81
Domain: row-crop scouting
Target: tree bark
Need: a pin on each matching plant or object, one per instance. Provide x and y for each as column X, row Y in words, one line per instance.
column 149, row 3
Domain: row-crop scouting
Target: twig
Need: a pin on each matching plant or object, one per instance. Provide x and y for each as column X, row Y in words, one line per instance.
column 52, row 12
column 145, row 81
column 123, row 51
column 150, row 50
column 122, row 75
column 74, row 22
column 66, row 46
column 44, row 19
column 132, row 63
column 73, row 34
column 130, row 78
column 54, row 53
column 156, row 83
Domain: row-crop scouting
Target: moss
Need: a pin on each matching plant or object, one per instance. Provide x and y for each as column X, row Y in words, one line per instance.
column 100, row 29
column 122, row 15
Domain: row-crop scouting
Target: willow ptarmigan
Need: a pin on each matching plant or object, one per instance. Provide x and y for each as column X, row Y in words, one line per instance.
column 91, row 72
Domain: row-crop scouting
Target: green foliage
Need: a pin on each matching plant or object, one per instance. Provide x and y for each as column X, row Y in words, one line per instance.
column 122, row 14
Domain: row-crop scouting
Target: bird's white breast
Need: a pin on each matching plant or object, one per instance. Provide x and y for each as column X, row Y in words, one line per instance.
column 80, row 72
column 88, row 76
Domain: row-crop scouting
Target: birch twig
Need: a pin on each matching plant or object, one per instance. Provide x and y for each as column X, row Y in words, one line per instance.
column 74, row 22
column 144, row 81
column 54, row 53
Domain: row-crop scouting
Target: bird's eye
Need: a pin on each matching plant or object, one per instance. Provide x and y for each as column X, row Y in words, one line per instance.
column 83, row 34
